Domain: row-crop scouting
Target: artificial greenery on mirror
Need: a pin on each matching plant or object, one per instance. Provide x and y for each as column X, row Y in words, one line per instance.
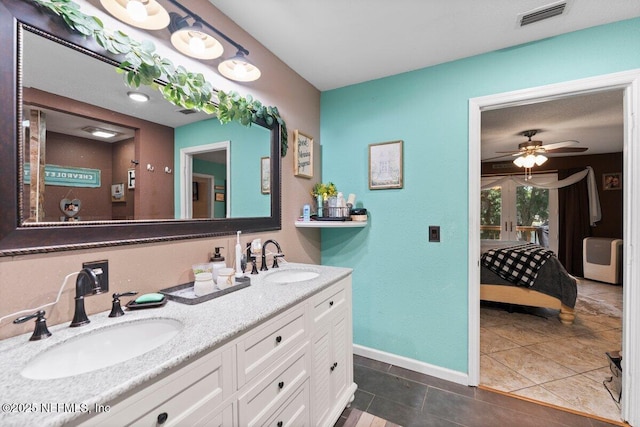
column 143, row 66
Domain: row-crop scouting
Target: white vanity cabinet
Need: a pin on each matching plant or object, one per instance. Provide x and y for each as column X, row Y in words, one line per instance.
column 294, row 369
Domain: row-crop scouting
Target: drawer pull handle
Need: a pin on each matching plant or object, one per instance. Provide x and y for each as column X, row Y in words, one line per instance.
column 330, row 303
column 278, row 339
column 280, row 423
column 162, row 418
column 281, row 385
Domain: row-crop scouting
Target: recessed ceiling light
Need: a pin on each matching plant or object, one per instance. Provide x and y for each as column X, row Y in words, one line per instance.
column 138, row 96
column 100, row 133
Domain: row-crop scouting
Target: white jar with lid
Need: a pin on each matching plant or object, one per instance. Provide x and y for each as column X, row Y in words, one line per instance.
column 204, row 284
column 226, row 278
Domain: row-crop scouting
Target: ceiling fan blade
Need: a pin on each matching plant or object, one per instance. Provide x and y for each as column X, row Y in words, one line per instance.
column 567, row 150
column 495, row 158
column 560, row 144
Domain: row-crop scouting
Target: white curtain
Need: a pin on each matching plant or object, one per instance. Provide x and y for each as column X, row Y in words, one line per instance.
column 595, row 214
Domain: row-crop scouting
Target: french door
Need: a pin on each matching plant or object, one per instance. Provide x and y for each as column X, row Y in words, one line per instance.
column 515, row 212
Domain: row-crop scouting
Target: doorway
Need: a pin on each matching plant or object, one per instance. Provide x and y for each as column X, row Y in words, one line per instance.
column 218, row 152
column 629, row 82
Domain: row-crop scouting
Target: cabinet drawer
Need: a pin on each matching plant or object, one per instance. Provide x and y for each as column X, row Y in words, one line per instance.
column 197, row 388
column 269, row 343
column 295, row 411
column 274, row 388
column 328, row 301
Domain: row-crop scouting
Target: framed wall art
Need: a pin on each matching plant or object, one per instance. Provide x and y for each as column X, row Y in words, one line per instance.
column 265, row 175
column 117, row 193
column 302, row 155
column 385, row 165
column 612, row 181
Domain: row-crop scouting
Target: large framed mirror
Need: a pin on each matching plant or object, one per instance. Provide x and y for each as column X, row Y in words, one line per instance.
column 164, row 175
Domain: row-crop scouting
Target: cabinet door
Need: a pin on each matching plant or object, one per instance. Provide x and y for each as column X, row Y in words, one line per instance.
column 340, row 360
column 321, row 376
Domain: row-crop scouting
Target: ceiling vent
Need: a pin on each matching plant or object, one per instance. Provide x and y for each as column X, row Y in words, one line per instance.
column 540, row 14
column 188, row 111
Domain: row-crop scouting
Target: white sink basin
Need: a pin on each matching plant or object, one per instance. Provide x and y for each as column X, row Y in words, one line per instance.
column 101, row 348
column 291, row 276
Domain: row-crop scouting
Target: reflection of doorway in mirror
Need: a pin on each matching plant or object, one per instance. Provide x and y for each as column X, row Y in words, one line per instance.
column 203, row 205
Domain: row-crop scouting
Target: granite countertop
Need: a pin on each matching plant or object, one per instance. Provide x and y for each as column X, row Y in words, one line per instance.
column 206, row 326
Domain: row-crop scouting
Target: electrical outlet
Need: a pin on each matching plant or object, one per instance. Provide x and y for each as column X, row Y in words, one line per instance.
column 434, row 233
column 101, row 269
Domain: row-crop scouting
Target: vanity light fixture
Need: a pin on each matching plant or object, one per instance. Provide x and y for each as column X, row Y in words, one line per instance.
column 138, row 96
column 192, row 40
column 239, row 68
column 146, row 14
column 99, row 132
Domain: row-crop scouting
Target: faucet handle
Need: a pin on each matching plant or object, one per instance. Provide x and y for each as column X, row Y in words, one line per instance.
column 275, row 259
column 40, row 331
column 116, row 308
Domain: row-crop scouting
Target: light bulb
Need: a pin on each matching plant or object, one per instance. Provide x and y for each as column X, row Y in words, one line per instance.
column 137, row 11
column 529, row 161
column 240, row 69
column 540, row 159
column 196, row 43
column 519, row 161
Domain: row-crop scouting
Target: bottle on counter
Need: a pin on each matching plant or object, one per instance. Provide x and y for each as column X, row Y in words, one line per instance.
column 217, row 262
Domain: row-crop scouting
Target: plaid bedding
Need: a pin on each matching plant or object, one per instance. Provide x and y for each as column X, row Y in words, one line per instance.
column 518, row 264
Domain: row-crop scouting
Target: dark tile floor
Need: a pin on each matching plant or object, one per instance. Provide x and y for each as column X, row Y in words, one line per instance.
column 409, row 398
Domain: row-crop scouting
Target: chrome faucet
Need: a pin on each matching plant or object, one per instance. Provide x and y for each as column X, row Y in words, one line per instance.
column 87, row 284
column 264, row 267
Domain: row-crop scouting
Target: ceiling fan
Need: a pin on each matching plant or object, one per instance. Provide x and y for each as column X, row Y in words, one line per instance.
column 536, row 148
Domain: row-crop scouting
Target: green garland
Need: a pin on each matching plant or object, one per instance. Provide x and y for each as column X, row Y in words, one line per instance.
column 143, row 66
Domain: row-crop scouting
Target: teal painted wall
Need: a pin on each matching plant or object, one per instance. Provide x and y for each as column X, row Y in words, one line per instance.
column 409, row 295
column 248, row 145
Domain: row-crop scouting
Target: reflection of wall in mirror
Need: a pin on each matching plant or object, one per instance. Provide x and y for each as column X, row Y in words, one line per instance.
column 248, row 145
column 154, row 192
column 76, row 152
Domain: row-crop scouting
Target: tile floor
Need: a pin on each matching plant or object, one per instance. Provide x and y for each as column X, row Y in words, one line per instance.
column 409, row 398
column 529, row 353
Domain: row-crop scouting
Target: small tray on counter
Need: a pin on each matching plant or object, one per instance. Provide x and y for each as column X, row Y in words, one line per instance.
column 184, row 293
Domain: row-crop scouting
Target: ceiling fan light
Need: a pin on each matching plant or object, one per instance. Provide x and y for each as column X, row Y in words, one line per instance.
column 529, row 161
column 145, row 14
column 239, row 68
column 519, row 161
column 540, row 159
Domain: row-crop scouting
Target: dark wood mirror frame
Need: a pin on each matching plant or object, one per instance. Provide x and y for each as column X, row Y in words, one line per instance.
column 18, row 239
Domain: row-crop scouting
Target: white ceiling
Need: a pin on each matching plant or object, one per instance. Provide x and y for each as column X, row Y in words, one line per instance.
column 335, row 43
column 312, row 36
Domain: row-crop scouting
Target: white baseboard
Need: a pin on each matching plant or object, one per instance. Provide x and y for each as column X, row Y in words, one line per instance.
column 412, row 364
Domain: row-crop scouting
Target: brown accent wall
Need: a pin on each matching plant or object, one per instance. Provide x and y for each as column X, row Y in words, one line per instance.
column 153, row 197
column 610, row 201
column 66, row 150
column 122, row 154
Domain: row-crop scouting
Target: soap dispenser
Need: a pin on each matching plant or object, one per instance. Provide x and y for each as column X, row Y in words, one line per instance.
column 217, row 262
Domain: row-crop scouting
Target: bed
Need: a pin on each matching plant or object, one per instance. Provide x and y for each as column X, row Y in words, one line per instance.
column 552, row 286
